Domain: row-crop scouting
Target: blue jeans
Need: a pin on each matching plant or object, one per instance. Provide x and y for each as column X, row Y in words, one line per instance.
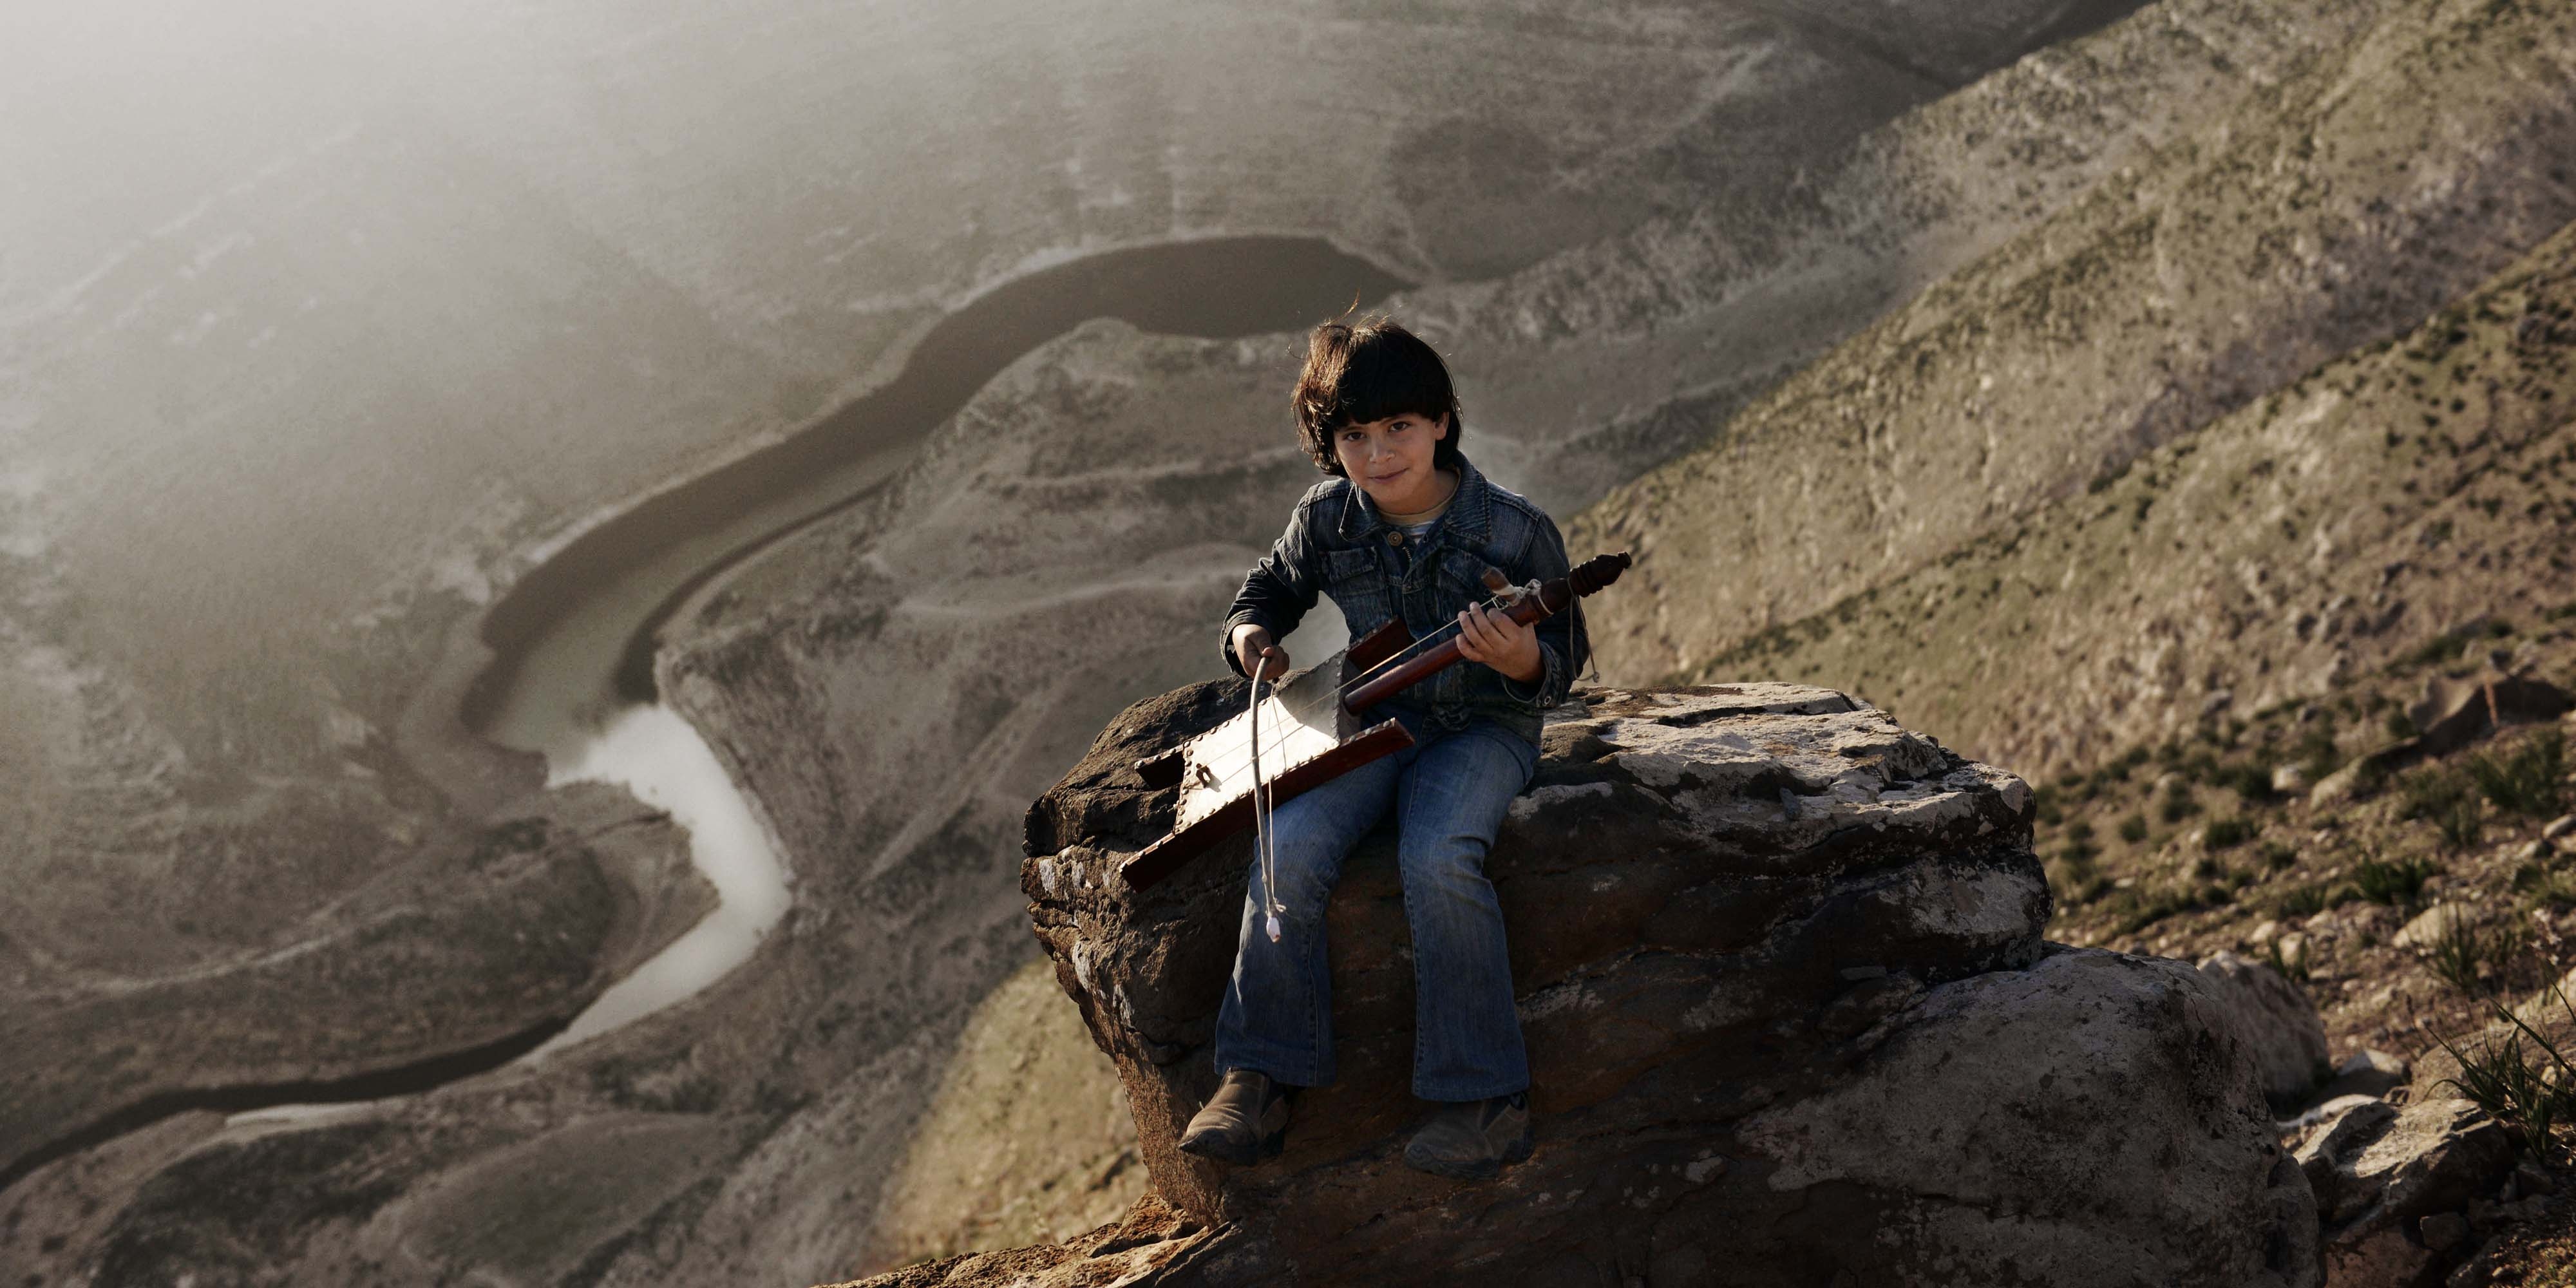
column 1449, row 791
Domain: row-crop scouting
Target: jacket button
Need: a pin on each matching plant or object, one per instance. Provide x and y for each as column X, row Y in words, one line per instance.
column 1395, row 538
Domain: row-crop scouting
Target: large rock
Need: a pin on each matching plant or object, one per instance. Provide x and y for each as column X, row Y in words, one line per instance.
column 2456, row 712
column 1789, row 1016
column 2276, row 1021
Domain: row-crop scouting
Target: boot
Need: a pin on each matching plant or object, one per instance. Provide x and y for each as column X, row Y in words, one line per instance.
column 1472, row 1140
column 1245, row 1122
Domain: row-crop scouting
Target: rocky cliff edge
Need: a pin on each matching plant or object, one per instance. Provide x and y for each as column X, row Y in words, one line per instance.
column 1789, row 1015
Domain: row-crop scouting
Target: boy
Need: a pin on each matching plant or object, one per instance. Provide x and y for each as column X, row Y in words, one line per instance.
column 1404, row 527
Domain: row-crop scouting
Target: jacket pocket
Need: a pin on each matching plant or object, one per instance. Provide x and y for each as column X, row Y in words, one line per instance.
column 1462, row 577
column 1359, row 587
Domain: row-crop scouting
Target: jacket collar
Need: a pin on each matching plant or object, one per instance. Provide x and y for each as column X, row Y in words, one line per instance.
column 1470, row 513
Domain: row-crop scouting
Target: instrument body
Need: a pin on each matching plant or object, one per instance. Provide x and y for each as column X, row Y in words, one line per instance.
column 1314, row 727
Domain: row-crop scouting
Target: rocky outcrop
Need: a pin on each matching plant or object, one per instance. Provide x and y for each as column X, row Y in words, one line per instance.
column 2455, row 712
column 1782, row 980
column 2391, row 1184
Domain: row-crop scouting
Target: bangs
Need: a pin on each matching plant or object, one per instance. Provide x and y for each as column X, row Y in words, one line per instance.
column 1379, row 379
column 1370, row 372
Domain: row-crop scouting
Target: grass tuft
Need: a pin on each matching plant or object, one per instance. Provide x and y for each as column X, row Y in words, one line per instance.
column 2514, row 1086
column 2391, row 883
column 2446, row 798
column 2468, row 958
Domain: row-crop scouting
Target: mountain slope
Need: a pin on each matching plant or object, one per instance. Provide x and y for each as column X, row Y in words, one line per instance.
column 2333, row 208
column 2322, row 533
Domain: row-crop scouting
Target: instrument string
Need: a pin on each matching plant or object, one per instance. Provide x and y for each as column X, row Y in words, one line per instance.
column 1305, row 712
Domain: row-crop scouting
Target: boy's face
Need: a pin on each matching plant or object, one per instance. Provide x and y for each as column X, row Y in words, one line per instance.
column 1390, row 460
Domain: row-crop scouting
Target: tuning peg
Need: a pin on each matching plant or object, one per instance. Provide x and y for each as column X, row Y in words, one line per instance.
column 1495, row 582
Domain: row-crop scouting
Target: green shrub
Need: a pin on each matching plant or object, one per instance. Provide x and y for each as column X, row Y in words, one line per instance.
column 2229, row 832
column 2316, row 753
column 2544, row 883
column 2277, row 856
column 2071, row 880
column 2302, row 901
column 2147, row 910
column 2445, row 798
column 2391, row 883
column 2466, row 957
column 2525, row 780
column 2252, row 782
column 2133, row 829
column 2450, row 644
column 2177, row 806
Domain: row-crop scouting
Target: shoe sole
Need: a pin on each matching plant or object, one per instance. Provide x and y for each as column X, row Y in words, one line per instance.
column 1478, row 1170
column 1213, row 1148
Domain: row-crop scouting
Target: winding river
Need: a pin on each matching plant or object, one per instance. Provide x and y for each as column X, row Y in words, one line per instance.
column 574, row 639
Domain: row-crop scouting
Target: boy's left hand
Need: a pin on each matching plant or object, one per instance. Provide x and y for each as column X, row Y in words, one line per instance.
column 1499, row 642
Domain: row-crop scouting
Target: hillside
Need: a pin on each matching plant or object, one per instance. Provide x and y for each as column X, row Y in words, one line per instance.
column 2317, row 536
column 2336, row 208
column 319, row 376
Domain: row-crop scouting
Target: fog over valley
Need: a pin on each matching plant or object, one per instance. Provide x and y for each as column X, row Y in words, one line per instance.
column 545, row 549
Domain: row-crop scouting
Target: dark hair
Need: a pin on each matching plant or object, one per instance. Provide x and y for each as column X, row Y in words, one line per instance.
column 1371, row 370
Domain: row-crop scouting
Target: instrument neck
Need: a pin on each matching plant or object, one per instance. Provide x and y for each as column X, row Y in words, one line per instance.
column 1528, row 611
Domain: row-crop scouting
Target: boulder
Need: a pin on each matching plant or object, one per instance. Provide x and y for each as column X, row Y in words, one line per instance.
column 1789, row 1014
column 2274, row 1019
column 2454, row 713
column 2379, row 1170
column 2328, row 1137
column 2429, row 927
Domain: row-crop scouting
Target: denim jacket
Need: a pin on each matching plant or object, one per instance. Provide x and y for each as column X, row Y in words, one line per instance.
column 1337, row 544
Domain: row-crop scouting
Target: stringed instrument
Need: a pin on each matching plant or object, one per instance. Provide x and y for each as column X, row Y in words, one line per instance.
column 1312, row 725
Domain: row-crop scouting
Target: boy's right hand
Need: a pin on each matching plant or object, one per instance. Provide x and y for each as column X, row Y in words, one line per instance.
column 1257, row 655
